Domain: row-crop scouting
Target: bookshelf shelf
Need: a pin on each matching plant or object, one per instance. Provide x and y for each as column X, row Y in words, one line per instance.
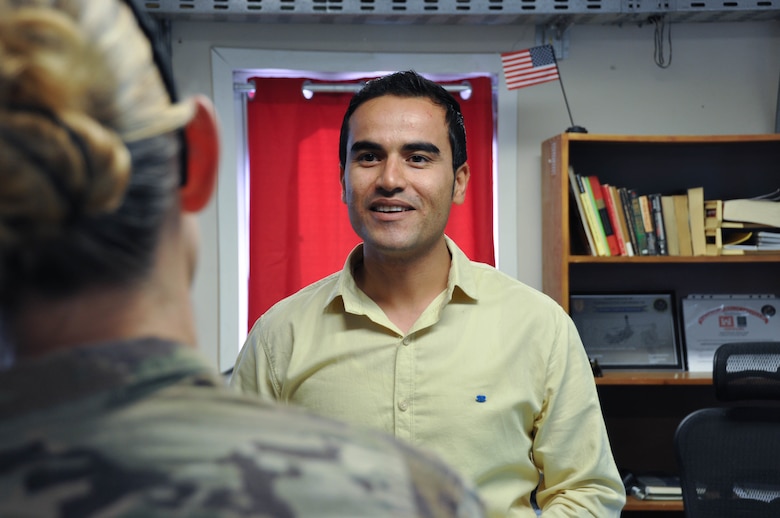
column 634, row 504
column 758, row 258
column 654, row 378
column 642, row 408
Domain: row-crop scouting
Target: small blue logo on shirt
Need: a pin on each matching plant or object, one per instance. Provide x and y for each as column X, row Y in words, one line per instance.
column 481, row 398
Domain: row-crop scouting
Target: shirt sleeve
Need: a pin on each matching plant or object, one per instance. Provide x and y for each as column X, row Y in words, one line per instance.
column 571, row 447
column 251, row 376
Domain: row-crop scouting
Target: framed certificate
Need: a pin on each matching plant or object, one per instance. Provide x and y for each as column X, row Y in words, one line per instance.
column 631, row 331
column 710, row 321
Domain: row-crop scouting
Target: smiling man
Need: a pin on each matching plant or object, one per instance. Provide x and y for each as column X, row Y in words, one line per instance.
column 414, row 339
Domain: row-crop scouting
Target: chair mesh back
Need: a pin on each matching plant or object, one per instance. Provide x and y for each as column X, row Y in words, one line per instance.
column 729, row 462
column 729, row 458
column 747, row 371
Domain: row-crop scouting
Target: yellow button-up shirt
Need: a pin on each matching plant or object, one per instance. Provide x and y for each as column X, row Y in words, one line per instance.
column 492, row 376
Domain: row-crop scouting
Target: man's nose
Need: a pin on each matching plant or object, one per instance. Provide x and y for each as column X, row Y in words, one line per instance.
column 393, row 175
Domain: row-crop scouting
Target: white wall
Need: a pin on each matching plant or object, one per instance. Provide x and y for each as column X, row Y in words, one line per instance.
column 723, row 80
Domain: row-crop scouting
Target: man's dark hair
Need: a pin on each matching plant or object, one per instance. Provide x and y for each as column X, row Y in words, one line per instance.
column 410, row 84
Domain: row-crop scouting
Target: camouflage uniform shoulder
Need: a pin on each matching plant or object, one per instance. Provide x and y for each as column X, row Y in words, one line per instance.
column 167, row 438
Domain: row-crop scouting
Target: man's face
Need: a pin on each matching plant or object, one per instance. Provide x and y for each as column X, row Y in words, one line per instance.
column 398, row 182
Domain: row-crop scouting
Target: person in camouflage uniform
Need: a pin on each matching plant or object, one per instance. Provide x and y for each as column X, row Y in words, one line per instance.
column 107, row 408
column 144, row 428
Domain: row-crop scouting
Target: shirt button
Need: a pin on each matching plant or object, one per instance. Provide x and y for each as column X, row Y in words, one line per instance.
column 407, row 340
column 403, row 405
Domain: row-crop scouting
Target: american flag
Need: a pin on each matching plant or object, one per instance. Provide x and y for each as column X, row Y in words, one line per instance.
column 529, row 67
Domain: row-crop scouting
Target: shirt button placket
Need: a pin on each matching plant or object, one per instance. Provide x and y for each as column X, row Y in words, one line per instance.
column 404, row 385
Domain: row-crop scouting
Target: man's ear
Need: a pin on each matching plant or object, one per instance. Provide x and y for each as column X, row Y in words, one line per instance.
column 343, row 185
column 202, row 136
column 462, row 176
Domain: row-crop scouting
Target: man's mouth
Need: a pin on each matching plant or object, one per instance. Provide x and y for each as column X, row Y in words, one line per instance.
column 385, row 208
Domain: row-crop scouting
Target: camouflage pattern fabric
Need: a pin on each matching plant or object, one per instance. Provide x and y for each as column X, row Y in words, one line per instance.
column 146, row 429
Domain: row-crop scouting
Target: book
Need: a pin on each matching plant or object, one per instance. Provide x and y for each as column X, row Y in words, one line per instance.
column 625, row 200
column 656, row 487
column 599, row 240
column 648, row 224
column 746, row 241
column 744, row 224
column 638, row 223
column 749, row 249
column 601, row 208
column 670, row 224
column 768, row 236
column 582, row 215
column 683, row 226
column 658, row 223
column 614, row 218
column 696, row 220
column 763, row 211
column 622, row 221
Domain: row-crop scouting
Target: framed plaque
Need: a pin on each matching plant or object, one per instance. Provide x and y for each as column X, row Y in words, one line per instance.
column 710, row 321
column 628, row 331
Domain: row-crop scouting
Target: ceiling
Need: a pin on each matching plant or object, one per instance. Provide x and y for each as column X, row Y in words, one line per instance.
column 464, row 12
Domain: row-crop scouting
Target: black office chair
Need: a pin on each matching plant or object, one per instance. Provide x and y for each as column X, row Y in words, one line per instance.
column 729, row 458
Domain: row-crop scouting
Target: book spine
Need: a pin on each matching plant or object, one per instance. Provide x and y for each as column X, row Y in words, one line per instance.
column 601, row 207
column 696, row 218
column 683, row 225
column 593, row 217
column 622, row 220
column 658, row 223
column 670, row 225
column 582, row 215
column 614, row 218
column 648, row 224
column 639, row 225
column 625, row 200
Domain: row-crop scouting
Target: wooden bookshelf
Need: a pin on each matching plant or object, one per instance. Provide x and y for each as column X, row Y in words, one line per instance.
column 642, row 408
column 634, row 504
column 654, row 378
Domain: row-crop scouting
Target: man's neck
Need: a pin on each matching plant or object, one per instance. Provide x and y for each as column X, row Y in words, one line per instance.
column 404, row 288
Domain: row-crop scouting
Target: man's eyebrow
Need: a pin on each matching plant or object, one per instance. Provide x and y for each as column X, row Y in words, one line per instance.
column 422, row 146
column 367, row 145
column 364, row 145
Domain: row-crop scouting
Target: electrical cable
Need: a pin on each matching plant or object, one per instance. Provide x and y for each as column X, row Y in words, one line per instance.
column 661, row 26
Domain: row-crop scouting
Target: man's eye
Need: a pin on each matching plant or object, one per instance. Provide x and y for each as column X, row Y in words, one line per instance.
column 418, row 159
column 367, row 157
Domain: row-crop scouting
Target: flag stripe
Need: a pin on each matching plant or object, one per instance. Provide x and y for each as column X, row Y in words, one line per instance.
column 520, row 84
column 535, row 73
column 529, row 80
column 530, row 70
column 529, row 67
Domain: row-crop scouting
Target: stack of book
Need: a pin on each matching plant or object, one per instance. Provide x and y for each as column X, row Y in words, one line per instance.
column 621, row 221
column 656, row 487
column 752, row 225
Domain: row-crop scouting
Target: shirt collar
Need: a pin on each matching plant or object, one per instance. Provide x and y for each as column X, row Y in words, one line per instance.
column 461, row 279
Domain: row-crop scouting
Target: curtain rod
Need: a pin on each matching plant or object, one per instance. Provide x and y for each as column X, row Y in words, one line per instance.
column 308, row 88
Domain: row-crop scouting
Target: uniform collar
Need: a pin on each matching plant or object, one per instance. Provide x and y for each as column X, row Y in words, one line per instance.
column 95, row 371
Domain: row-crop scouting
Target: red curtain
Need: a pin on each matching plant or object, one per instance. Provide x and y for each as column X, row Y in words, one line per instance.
column 299, row 230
